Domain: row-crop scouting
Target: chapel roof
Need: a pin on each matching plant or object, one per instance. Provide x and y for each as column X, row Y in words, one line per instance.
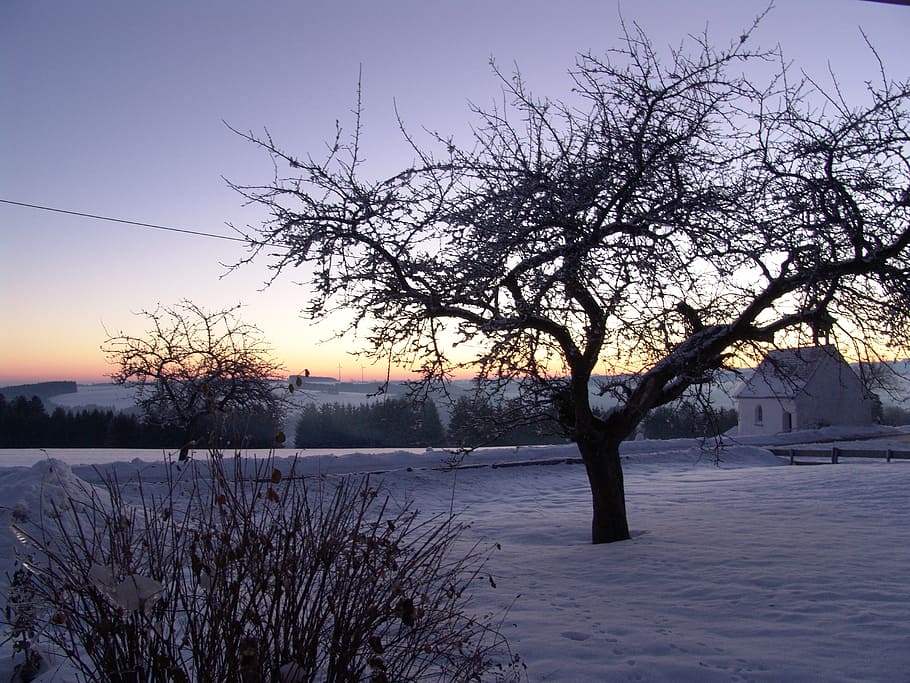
column 784, row 373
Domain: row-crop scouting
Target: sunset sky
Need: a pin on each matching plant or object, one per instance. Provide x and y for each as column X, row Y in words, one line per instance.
column 118, row 109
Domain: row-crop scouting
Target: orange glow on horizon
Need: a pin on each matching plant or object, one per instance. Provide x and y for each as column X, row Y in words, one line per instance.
column 51, row 356
column 47, row 363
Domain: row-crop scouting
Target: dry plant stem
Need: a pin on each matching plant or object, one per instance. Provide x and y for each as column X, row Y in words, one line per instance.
column 260, row 572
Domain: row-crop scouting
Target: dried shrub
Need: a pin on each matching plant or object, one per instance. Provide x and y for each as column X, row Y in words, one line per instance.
column 254, row 575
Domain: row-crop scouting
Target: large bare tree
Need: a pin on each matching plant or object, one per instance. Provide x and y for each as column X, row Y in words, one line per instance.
column 205, row 372
column 671, row 215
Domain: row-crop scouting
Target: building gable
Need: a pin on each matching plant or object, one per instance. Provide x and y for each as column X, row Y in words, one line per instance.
column 801, row 388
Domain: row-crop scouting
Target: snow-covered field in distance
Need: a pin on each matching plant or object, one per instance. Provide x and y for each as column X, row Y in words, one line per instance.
column 740, row 568
column 117, row 397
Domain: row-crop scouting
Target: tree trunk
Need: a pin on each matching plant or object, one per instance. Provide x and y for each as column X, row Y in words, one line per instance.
column 601, row 459
column 189, row 437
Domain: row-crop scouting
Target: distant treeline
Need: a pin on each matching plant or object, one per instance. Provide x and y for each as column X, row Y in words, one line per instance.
column 686, row 419
column 894, row 415
column 476, row 421
column 401, row 422
column 384, row 424
column 24, row 423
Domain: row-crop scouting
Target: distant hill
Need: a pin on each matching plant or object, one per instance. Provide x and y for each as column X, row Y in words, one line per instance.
column 43, row 390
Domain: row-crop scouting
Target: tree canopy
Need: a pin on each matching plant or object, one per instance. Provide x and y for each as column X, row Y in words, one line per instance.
column 206, row 372
column 672, row 214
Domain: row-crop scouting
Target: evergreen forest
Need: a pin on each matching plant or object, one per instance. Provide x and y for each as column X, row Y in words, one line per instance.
column 25, row 423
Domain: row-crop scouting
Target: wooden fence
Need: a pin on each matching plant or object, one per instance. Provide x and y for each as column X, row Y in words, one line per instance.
column 835, row 453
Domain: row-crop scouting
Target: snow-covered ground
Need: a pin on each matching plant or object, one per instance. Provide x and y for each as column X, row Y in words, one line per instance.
column 108, row 396
column 740, row 568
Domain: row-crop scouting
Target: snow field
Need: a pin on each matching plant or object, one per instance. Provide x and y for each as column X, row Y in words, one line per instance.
column 756, row 574
column 750, row 571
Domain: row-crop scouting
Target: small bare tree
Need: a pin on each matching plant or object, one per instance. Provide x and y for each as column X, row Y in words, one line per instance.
column 671, row 215
column 204, row 372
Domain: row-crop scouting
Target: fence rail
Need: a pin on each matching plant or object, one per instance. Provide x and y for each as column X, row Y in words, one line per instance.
column 835, row 453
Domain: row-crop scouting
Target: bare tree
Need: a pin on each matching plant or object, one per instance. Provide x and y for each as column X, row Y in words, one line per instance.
column 672, row 216
column 205, row 372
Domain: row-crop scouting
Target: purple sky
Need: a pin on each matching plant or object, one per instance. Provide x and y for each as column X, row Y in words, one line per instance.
column 116, row 108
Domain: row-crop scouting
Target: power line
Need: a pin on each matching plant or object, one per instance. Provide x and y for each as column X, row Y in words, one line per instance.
column 123, row 220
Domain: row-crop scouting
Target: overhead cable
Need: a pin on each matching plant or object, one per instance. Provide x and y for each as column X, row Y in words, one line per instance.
column 124, row 221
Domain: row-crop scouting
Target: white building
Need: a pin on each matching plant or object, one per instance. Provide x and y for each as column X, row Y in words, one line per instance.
column 802, row 388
